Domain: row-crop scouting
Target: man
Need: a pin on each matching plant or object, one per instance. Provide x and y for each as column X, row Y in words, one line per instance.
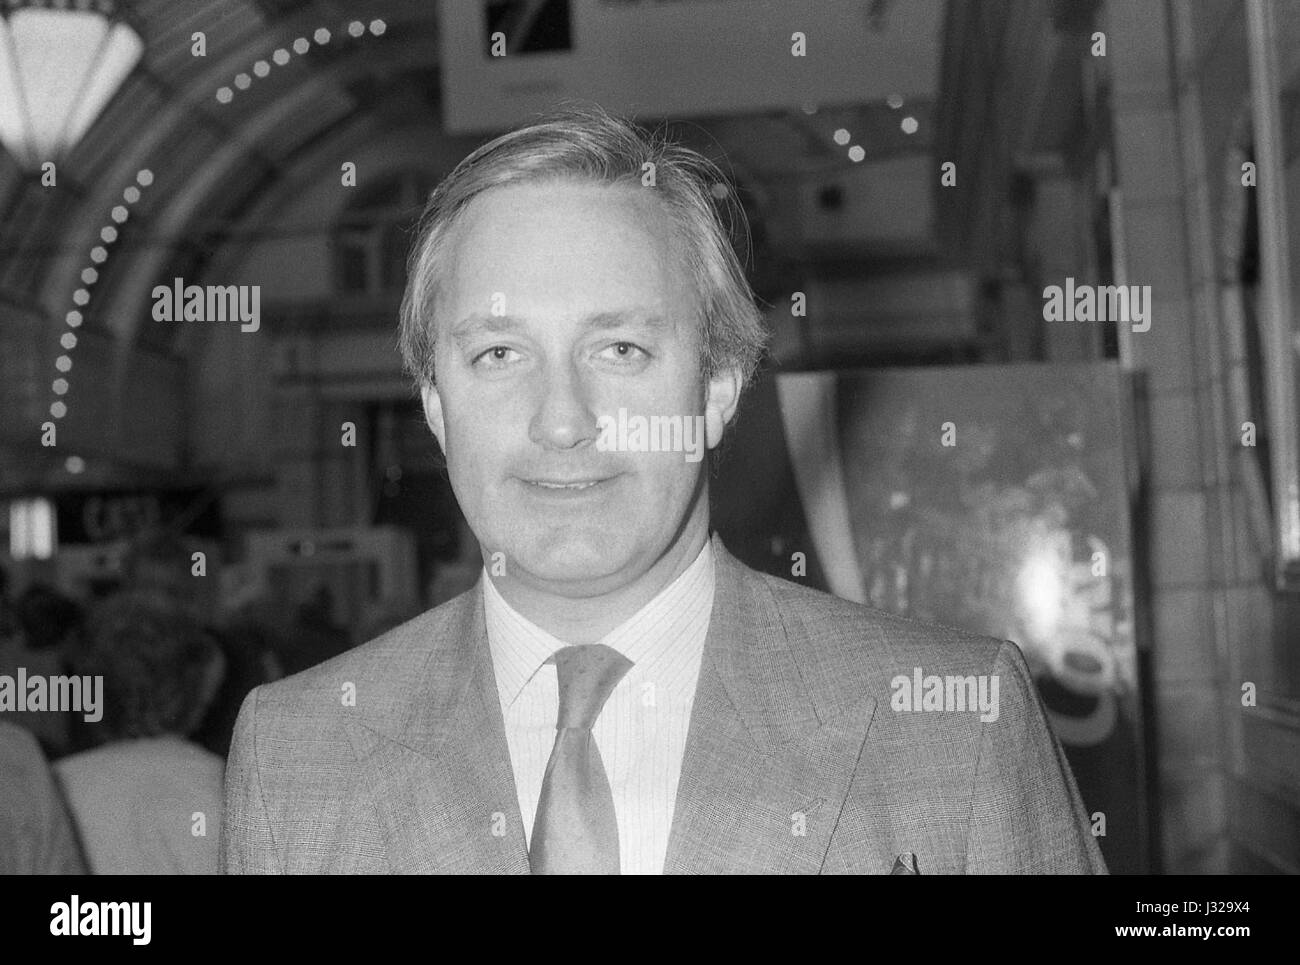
column 617, row 693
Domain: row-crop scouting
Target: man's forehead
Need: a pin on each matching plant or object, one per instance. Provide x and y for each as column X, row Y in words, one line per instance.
column 504, row 248
column 571, row 215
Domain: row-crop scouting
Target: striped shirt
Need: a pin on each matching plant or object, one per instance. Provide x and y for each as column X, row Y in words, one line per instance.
column 641, row 732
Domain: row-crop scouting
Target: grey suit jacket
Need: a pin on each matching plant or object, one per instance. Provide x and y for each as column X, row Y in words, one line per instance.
column 795, row 760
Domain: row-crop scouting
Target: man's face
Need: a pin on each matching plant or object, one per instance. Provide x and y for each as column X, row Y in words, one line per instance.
column 563, row 302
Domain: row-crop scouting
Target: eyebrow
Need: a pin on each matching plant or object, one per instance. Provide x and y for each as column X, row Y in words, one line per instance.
column 485, row 323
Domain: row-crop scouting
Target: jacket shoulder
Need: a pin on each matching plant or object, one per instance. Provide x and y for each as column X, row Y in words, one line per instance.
column 838, row 630
column 368, row 670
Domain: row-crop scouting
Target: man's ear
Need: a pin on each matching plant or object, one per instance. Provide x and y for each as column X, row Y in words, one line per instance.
column 433, row 413
column 720, row 403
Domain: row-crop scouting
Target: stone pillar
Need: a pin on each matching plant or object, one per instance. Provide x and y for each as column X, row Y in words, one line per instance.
column 1158, row 190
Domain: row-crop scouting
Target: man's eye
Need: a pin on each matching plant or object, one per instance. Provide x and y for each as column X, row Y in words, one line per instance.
column 497, row 355
column 625, row 352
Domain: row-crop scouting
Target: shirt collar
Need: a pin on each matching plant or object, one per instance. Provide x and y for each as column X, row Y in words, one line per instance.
column 659, row 633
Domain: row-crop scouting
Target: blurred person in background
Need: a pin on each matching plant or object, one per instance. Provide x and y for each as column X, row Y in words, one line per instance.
column 148, row 801
column 36, row 835
column 158, row 563
column 47, row 626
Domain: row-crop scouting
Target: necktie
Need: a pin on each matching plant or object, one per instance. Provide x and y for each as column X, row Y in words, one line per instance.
column 575, row 831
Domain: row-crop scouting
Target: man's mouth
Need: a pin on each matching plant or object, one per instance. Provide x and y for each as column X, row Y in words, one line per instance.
column 565, row 485
column 559, row 485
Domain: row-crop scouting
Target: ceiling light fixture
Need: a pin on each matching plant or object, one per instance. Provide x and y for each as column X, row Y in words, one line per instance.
column 61, row 62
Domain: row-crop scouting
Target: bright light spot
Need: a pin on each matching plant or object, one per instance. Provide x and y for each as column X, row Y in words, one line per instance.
column 98, row 255
column 895, row 101
column 909, row 125
column 108, row 235
column 242, row 81
column 856, row 153
column 73, row 319
column 144, row 178
column 377, row 27
column 60, row 386
column 120, row 214
column 75, row 464
column 58, row 410
column 68, row 341
column 321, row 36
column 89, row 276
column 841, row 136
column 80, row 296
column 281, row 56
column 261, row 68
column 1041, row 595
column 131, row 194
column 31, row 528
column 356, row 28
column 225, row 95
column 63, row 363
column 301, row 45
column 809, row 109
column 719, row 190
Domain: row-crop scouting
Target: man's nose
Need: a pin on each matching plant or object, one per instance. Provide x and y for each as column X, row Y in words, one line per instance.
column 564, row 419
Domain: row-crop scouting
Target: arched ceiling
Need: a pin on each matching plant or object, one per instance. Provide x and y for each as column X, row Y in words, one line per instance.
column 209, row 160
column 212, row 162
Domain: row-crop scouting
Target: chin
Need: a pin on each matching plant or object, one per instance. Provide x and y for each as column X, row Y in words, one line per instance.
column 569, row 558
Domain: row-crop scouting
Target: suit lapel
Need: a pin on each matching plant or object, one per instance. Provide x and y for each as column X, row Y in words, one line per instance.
column 764, row 777
column 441, row 780
column 764, row 774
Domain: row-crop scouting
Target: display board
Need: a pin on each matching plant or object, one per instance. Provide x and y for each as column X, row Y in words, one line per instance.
column 996, row 499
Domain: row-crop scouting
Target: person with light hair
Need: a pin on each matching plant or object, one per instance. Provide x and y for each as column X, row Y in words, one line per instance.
column 617, row 693
column 147, row 799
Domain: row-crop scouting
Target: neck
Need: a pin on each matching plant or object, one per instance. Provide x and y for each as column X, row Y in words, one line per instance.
column 580, row 620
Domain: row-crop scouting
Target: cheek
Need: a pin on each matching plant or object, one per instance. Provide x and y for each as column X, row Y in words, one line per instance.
column 478, row 435
column 668, row 476
column 676, row 390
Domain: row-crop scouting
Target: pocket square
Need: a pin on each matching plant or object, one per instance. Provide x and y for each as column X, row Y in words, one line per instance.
column 905, row 864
